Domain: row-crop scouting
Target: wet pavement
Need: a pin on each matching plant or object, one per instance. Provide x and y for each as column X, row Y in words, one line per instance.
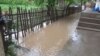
column 86, row 43
column 62, row 39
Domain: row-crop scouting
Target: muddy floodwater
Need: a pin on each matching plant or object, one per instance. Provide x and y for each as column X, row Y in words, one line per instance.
column 48, row 41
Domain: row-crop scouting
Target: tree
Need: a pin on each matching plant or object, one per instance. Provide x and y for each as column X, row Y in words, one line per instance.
column 50, row 4
column 79, row 2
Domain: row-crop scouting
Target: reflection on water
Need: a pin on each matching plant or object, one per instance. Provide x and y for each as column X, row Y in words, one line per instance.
column 44, row 25
column 52, row 38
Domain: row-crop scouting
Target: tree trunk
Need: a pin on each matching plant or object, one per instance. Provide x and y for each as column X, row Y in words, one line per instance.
column 51, row 12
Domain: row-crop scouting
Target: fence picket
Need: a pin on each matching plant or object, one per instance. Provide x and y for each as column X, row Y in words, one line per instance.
column 10, row 23
column 17, row 23
column 22, row 17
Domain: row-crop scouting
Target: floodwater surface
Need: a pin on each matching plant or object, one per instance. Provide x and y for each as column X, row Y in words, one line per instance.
column 50, row 40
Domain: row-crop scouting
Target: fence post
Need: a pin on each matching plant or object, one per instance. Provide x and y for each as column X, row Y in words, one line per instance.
column 10, row 23
column 2, row 39
column 17, row 23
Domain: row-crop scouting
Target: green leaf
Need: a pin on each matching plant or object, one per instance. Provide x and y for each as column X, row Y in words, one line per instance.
column 38, row 2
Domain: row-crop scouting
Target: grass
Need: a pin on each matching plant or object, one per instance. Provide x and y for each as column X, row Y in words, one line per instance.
column 5, row 7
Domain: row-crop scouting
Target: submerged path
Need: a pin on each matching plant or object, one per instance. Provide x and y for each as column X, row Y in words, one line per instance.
column 61, row 39
column 50, row 40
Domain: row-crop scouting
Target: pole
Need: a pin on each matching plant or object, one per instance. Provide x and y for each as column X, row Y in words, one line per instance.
column 2, row 41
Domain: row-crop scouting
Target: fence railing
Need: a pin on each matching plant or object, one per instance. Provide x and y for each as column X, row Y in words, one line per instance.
column 13, row 25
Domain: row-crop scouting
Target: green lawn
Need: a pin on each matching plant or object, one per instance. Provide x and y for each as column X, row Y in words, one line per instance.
column 14, row 6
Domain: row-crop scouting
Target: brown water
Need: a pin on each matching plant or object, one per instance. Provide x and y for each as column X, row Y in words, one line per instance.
column 50, row 40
